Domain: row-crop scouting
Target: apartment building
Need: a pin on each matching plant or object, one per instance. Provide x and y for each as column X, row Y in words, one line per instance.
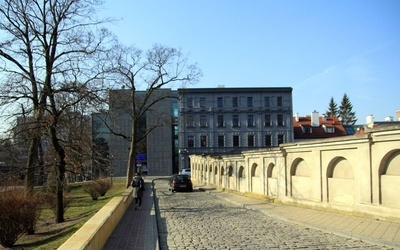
column 222, row 120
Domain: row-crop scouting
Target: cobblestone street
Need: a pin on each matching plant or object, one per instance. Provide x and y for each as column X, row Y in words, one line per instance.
column 199, row 220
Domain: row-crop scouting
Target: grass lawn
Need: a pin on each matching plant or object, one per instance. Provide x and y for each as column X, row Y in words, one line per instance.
column 51, row 235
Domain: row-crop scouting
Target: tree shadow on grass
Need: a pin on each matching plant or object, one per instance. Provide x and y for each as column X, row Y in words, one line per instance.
column 49, row 234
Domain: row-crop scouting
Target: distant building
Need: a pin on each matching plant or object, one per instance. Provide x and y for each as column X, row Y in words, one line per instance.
column 372, row 124
column 101, row 158
column 223, row 120
column 316, row 126
column 157, row 125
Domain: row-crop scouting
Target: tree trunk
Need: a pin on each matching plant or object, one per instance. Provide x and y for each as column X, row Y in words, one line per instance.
column 60, row 170
column 131, row 165
column 31, row 163
column 132, row 156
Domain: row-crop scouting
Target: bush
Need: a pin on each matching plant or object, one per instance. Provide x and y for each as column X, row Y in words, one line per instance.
column 18, row 214
column 104, row 186
column 97, row 188
column 92, row 189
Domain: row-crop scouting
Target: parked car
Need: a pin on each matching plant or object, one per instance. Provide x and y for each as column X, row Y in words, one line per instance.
column 180, row 182
column 185, row 171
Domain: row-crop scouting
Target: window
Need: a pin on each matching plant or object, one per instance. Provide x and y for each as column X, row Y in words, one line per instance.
column 306, row 130
column 203, row 141
column 280, row 120
column 203, row 121
column 249, row 101
column 267, row 120
column 236, row 141
column 267, row 101
column 220, row 102
column 329, row 129
column 250, row 121
column 190, row 121
column 189, row 103
column 250, row 140
column 235, row 121
column 234, row 102
column 279, row 101
column 190, row 141
column 202, row 102
column 268, row 140
column 221, row 140
column 280, row 139
column 220, row 121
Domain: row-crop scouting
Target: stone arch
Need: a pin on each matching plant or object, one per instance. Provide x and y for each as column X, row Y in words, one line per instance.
column 255, row 170
column 389, row 177
column 300, row 180
column 230, row 171
column 272, row 171
column 230, row 179
column 390, row 164
column 241, row 179
column 340, row 182
column 222, row 179
column 299, row 168
column 256, row 182
column 202, row 170
column 215, row 168
column 241, row 172
column 339, row 168
column 272, row 180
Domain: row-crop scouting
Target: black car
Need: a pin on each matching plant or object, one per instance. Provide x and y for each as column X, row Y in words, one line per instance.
column 180, row 182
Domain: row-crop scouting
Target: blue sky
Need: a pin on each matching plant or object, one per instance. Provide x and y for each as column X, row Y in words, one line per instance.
column 320, row 48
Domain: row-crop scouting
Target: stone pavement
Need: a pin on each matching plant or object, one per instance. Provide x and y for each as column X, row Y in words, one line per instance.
column 374, row 231
column 138, row 229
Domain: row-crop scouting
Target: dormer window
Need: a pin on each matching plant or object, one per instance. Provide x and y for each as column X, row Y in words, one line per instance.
column 329, row 129
column 306, row 129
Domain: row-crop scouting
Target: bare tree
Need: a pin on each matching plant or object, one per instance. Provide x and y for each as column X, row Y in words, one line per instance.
column 160, row 67
column 51, row 58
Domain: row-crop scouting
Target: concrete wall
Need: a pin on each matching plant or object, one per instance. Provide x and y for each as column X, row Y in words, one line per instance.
column 94, row 233
column 356, row 174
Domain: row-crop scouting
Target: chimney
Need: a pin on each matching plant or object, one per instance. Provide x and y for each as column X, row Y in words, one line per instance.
column 398, row 115
column 388, row 118
column 315, row 119
column 296, row 117
column 370, row 121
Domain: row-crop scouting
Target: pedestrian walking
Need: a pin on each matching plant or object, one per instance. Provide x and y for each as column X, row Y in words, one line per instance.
column 138, row 188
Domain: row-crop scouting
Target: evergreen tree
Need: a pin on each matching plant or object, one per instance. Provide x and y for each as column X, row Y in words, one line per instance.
column 346, row 114
column 332, row 108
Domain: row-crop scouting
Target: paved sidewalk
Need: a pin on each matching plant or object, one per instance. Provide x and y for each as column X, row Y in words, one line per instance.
column 373, row 231
column 137, row 229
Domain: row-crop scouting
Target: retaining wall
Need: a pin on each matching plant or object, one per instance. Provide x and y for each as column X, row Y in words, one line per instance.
column 94, row 233
column 352, row 174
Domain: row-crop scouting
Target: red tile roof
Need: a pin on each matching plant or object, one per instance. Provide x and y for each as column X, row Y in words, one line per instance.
column 325, row 124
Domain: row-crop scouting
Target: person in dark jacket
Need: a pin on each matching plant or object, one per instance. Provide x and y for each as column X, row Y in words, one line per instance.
column 138, row 188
